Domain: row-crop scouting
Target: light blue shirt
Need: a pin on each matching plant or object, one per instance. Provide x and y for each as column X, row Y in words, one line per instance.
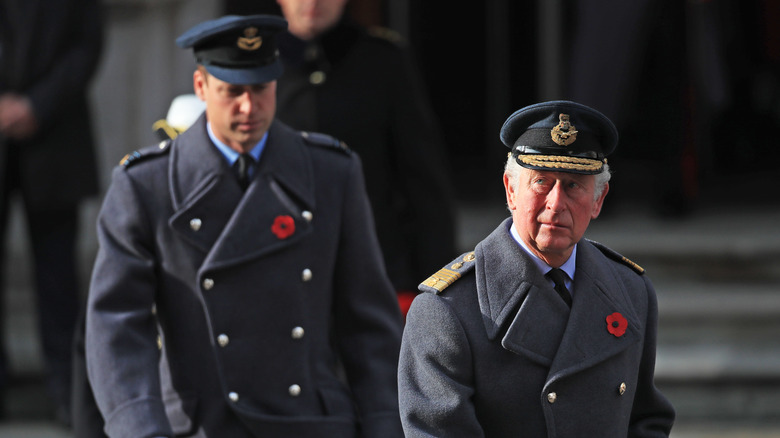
column 231, row 156
column 568, row 267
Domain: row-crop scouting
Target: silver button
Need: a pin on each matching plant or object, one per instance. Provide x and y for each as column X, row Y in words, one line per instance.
column 294, row 390
column 233, row 396
column 307, row 215
column 551, row 397
column 622, row 388
column 208, row 283
column 163, row 144
column 317, row 77
column 297, row 333
column 306, row 274
column 195, row 224
column 223, row 340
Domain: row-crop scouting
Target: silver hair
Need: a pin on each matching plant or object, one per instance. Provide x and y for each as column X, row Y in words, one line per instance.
column 513, row 169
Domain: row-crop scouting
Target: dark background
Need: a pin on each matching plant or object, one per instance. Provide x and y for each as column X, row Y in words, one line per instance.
column 702, row 107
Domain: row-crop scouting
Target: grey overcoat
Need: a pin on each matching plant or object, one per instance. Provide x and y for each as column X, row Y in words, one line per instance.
column 498, row 354
column 253, row 310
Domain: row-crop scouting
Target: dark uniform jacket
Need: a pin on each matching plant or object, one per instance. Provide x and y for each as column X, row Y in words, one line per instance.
column 256, row 294
column 499, row 354
column 49, row 51
column 363, row 89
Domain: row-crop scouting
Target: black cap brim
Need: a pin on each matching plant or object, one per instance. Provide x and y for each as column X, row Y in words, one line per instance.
column 247, row 76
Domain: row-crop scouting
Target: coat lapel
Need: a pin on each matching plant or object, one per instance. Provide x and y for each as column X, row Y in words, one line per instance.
column 514, row 294
column 598, row 293
column 511, row 288
column 238, row 226
column 203, row 190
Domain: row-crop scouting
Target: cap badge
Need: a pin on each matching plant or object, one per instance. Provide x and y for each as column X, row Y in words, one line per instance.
column 250, row 41
column 564, row 133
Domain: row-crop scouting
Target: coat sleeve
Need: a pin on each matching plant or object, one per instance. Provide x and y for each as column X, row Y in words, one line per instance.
column 652, row 414
column 121, row 334
column 435, row 373
column 368, row 320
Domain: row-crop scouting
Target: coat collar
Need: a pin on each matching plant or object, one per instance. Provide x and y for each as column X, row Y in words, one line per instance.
column 513, row 292
column 232, row 226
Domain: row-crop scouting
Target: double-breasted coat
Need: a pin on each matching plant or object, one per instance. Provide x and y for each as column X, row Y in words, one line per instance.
column 497, row 353
column 258, row 296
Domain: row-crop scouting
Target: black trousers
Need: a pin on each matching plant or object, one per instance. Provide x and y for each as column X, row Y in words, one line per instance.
column 52, row 235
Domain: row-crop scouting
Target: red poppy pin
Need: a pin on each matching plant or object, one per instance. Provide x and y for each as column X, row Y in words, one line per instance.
column 617, row 324
column 283, row 227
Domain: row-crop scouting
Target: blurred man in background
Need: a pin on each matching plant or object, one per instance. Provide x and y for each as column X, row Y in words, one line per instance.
column 362, row 86
column 49, row 52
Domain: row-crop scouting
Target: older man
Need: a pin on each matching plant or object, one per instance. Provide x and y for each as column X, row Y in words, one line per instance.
column 538, row 332
column 250, row 248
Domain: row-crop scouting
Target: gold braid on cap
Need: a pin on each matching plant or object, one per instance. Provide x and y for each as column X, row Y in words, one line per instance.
column 562, row 162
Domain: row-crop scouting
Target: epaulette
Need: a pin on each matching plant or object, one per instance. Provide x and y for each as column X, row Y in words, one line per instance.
column 447, row 275
column 614, row 255
column 319, row 139
column 386, row 34
column 142, row 154
column 165, row 130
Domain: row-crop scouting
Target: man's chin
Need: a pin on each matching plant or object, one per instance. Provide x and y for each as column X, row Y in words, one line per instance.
column 554, row 244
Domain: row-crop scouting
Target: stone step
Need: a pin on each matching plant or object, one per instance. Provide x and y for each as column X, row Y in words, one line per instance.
column 684, row 428
column 712, row 333
column 725, row 402
column 687, row 304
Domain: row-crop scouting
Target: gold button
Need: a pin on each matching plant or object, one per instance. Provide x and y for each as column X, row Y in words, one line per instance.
column 223, row 340
column 294, row 390
column 208, row 284
column 317, row 77
column 297, row 333
column 195, row 224
column 551, row 397
column 306, row 274
column 469, row 257
column 622, row 388
column 457, row 266
column 233, row 396
column 307, row 215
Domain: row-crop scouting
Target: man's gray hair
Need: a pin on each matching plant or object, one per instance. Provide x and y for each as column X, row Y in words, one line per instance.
column 512, row 169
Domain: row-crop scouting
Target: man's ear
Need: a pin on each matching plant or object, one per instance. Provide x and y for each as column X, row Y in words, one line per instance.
column 199, row 84
column 510, row 192
column 599, row 202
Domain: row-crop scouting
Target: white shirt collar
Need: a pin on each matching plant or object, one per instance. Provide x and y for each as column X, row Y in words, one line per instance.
column 568, row 267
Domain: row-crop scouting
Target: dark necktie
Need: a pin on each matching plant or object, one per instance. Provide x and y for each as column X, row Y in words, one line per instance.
column 243, row 166
column 559, row 278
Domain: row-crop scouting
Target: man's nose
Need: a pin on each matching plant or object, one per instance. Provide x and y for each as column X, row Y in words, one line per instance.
column 245, row 102
column 556, row 198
